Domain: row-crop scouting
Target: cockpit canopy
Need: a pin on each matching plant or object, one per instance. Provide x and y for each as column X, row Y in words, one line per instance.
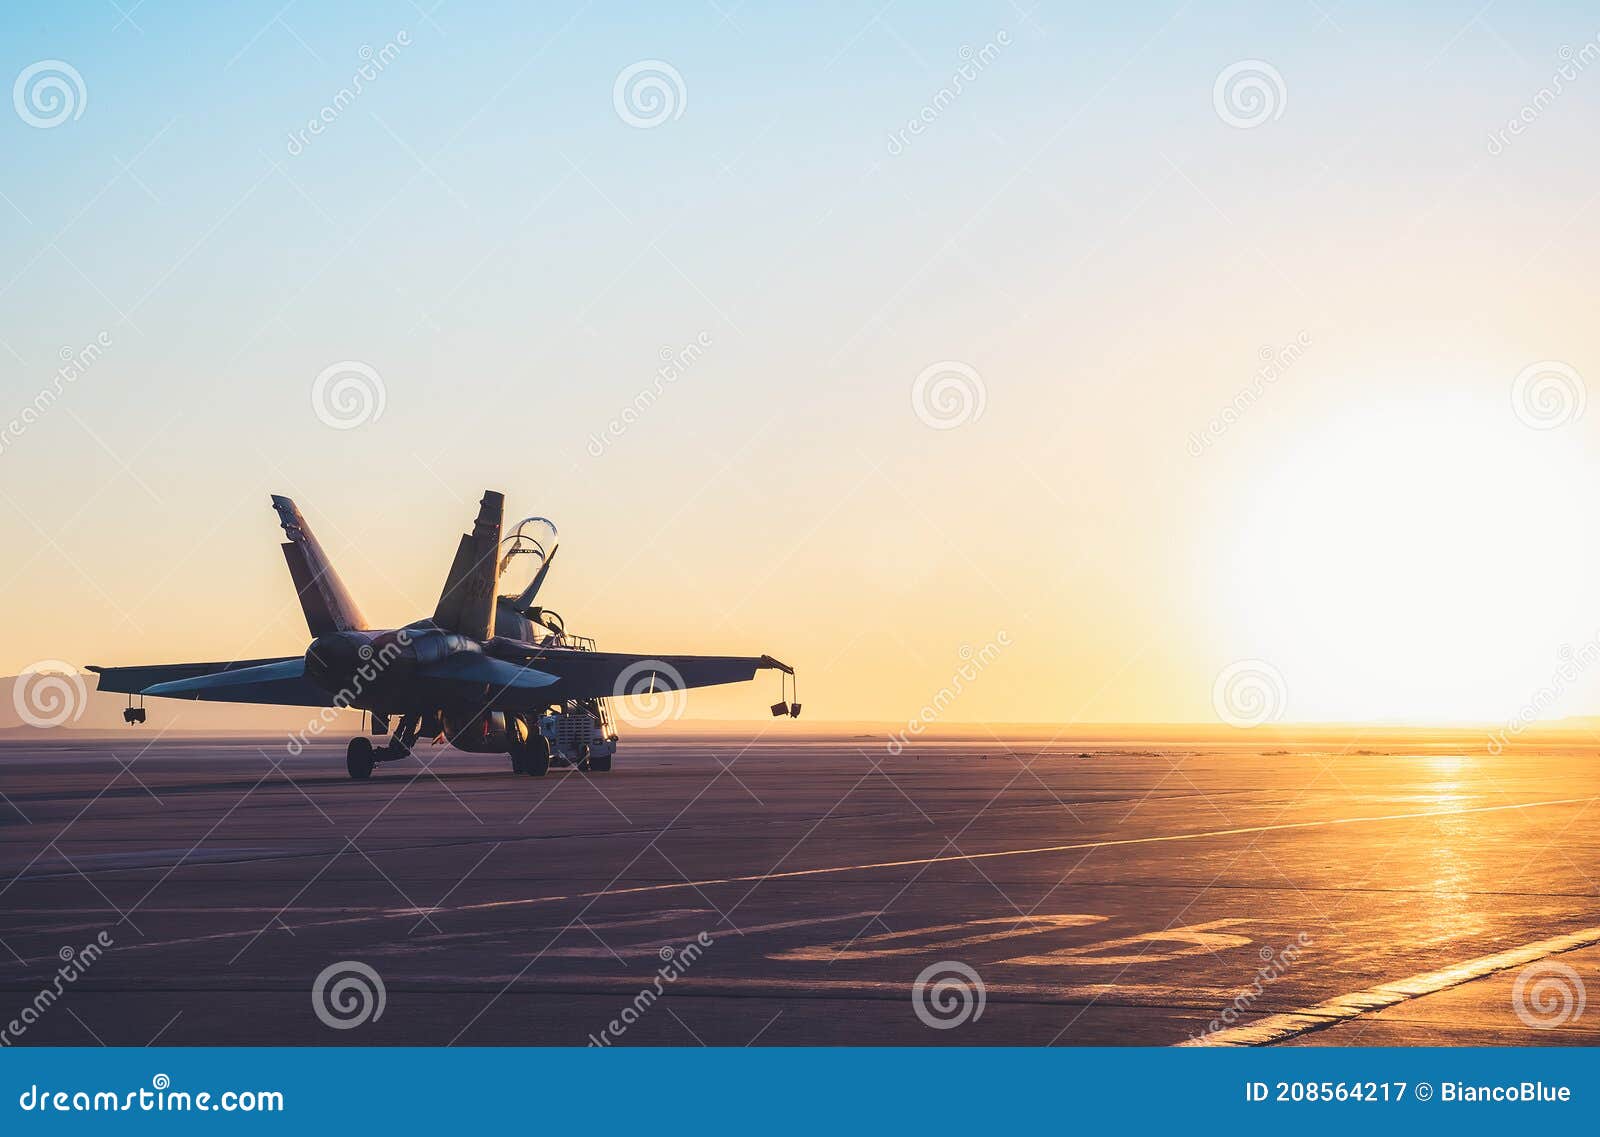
column 524, row 556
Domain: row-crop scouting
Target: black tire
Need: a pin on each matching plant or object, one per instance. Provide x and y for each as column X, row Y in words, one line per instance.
column 600, row 763
column 358, row 759
column 516, row 758
column 536, row 756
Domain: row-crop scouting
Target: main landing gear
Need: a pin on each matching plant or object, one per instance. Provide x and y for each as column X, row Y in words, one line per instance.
column 530, row 750
column 361, row 756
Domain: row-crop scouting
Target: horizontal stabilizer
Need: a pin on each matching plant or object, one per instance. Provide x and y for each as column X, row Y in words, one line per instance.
column 475, row 668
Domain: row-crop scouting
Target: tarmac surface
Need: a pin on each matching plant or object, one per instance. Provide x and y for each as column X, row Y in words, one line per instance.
column 784, row 891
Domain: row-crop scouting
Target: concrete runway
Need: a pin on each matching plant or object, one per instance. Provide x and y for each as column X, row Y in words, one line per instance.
column 1130, row 895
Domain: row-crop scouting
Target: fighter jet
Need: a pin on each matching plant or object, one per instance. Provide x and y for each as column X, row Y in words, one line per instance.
column 488, row 673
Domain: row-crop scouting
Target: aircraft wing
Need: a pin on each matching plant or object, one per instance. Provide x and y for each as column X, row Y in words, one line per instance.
column 280, row 682
column 601, row 674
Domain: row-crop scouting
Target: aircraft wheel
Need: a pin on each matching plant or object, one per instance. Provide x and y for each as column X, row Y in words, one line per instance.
column 516, row 761
column 536, row 756
column 600, row 763
column 358, row 758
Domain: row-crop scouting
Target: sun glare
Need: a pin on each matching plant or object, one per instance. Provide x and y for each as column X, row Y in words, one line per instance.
column 1413, row 560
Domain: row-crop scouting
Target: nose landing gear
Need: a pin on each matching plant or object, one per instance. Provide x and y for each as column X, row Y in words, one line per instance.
column 361, row 756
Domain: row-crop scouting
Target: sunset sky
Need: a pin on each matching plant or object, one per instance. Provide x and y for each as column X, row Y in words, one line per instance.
column 1095, row 242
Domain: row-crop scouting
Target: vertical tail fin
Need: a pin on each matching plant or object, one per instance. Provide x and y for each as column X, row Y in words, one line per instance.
column 323, row 596
column 467, row 603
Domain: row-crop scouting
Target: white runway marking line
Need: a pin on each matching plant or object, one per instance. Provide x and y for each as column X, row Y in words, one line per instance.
column 1344, row 1008
column 520, row 902
column 960, row 857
